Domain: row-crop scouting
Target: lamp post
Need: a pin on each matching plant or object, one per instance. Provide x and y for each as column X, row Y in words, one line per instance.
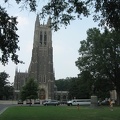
column 94, row 100
column 93, row 89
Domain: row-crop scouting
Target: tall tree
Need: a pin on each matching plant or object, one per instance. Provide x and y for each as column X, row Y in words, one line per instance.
column 8, row 38
column 29, row 90
column 63, row 84
column 3, row 82
column 79, row 88
column 100, row 55
column 8, row 91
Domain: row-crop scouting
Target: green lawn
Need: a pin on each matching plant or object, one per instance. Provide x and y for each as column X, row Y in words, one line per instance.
column 60, row 113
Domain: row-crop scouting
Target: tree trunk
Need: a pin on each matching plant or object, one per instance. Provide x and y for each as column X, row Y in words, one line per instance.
column 118, row 98
column 30, row 102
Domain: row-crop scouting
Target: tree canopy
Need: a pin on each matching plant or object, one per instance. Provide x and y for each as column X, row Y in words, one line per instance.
column 77, row 87
column 8, row 38
column 29, row 90
column 6, row 89
column 100, row 56
column 63, row 12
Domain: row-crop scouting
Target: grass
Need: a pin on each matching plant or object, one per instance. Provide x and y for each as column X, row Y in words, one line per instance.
column 60, row 113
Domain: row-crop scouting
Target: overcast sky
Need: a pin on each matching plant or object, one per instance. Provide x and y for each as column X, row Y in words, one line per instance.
column 66, row 43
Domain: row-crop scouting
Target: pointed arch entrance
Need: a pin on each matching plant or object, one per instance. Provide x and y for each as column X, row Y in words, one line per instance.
column 42, row 94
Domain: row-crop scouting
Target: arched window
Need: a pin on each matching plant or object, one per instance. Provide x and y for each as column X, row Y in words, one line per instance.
column 41, row 37
column 44, row 78
column 45, row 38
column 40, row 79
column 42, row 94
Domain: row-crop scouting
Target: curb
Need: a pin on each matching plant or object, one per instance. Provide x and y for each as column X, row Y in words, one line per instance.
column 3, row 110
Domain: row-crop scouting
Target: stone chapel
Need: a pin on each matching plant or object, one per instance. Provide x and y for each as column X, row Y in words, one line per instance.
column 41, row 65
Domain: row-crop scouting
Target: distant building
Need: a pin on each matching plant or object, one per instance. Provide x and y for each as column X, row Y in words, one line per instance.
column 41, row 66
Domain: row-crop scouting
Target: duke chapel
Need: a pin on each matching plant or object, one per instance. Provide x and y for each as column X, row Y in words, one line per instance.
column 41, row 66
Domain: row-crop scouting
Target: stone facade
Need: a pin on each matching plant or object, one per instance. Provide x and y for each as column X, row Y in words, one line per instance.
column 41, row 66
column 19, row 80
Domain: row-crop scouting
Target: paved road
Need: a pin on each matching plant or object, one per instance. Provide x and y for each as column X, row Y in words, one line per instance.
column 3, row 107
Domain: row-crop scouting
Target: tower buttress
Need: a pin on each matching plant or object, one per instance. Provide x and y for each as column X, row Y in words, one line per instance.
column 37, row 22
column 16, row 70
column 49, row 22
column 36, row 31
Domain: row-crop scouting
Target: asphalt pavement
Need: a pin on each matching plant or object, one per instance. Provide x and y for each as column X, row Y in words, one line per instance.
column 3, row 107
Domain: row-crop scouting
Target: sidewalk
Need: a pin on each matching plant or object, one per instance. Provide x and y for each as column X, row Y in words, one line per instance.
column 4, row 104
column 8, row 102
column 2, row 110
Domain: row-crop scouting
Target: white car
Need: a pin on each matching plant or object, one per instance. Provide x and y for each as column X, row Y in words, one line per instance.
column 51, row 102
column 79, row 102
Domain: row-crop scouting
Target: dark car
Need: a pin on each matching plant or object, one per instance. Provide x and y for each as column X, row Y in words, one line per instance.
column 20, row 102
column 28, row 102
column 63, row 102
column 51, row 102
column 44, row 101
column 104, row 102
column 36, row 101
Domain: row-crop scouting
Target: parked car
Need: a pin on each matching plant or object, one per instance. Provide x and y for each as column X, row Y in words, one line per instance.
column 36, row 101
column 105, row 102
column 20, row 102
column 28, row 102
column 79, row 102
column 51, row 102
column 63, row 102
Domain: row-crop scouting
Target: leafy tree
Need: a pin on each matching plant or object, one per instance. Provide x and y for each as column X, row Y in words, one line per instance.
column 8, row 91
column 29, row 90
column 8, row 37
column 63, row 12
column 3, row 83
column 101, row 86
column 63, row 84
column 79, row 88
column 100, row 56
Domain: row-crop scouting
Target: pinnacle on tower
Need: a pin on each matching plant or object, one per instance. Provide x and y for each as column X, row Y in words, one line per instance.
column 49, row 21
column 37, row 22
column 16, row 70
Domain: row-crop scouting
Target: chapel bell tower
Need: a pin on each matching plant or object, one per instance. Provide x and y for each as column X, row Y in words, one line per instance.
column 41, row 66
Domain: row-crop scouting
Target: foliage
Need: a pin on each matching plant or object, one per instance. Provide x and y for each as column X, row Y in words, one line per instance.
column 29, row 90
column 3, row 83
column 63, row 12
column 100, row 56
column 8, row 38
column 6, row 90
column 77, row 87
column 63, row 84
column 31, row 4
column 101, row 87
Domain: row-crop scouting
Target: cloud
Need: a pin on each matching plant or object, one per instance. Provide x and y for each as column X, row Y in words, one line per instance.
column 22, row 21
column 29, row 47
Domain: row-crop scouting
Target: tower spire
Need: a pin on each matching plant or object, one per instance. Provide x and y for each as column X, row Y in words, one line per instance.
column 16, row 70
column 49, row 21
column 37, row 22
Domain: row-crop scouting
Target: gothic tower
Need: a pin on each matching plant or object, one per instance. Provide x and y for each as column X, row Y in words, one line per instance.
column 41, row 66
